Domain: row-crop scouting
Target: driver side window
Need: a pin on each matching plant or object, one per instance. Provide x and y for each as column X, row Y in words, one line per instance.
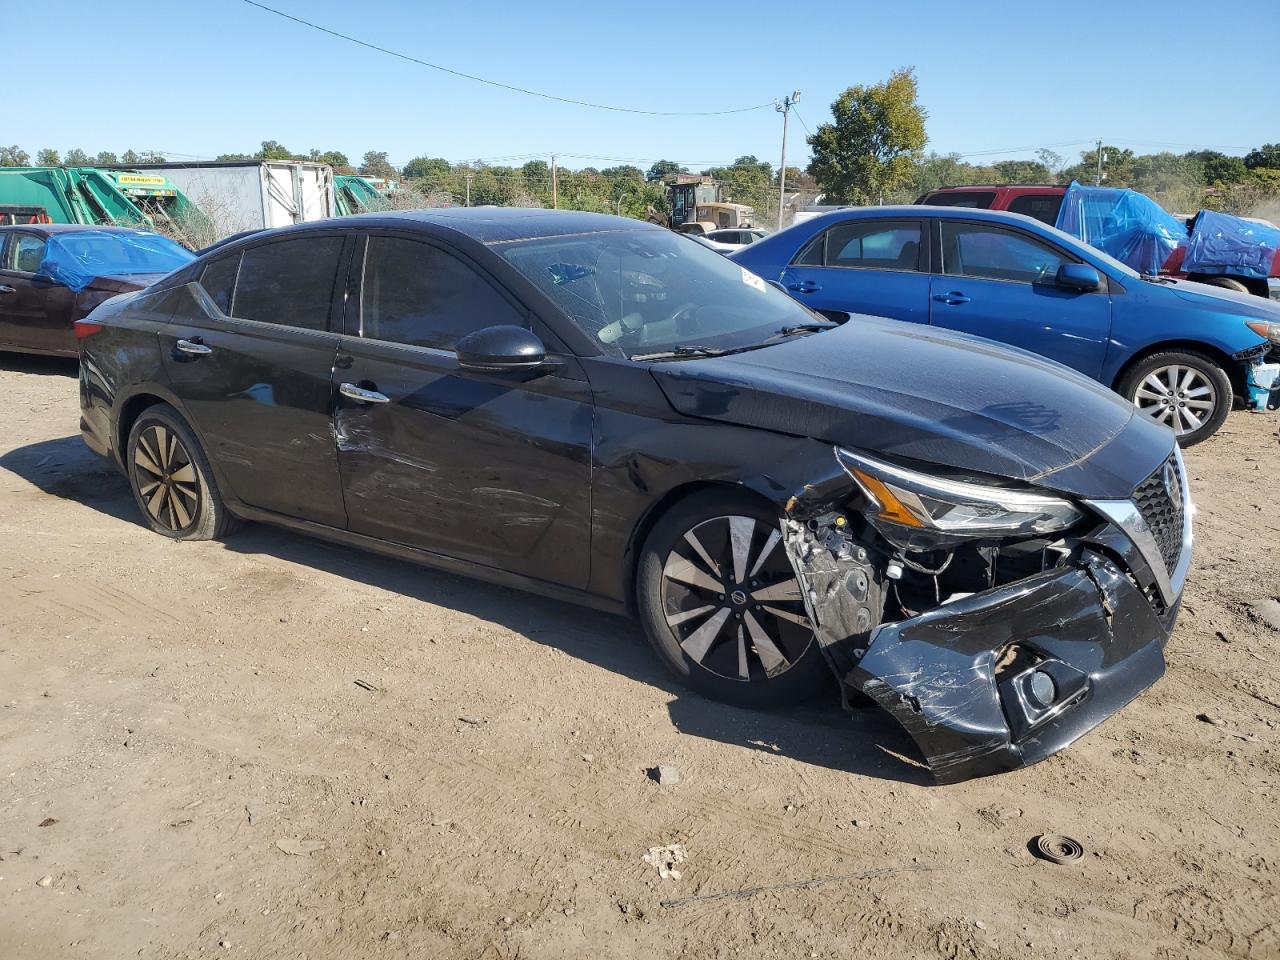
column 993, row 253
column 417, row 294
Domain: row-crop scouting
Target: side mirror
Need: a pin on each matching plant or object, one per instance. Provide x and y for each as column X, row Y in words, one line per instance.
column 504, row 347
column 1079, row 277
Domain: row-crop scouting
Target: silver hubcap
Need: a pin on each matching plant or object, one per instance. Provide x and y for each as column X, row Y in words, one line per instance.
column 1177, row 396
column 732, row 600
column 166, row 478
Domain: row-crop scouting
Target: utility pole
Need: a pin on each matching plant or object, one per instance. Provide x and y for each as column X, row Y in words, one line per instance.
column 783, row 106
column 1097, row 178
column 468, row 189
column 555, row 185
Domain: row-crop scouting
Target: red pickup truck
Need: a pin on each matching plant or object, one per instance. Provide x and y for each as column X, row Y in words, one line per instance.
column 1044, row 202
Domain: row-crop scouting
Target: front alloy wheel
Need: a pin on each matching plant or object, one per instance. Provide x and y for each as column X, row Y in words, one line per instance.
column 721, row 604
column 1185, row 391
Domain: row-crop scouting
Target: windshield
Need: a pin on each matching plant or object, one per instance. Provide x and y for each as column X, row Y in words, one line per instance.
column 651, row 291
column 103, row 253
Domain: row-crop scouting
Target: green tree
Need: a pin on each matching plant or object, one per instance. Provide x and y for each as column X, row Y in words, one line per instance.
column 1117, row 167
column 274, row 150
column 1266, row 156
column 77, row 158
column 14, row 156
column 334, row 158
column 1218, row 167
column 662, row 169
column 376, row 164
column 1023, row 171
column 48, row 158
column 434, row 168
column 226, row 157
column 873, row 142
column 151, row 156
column 129, row 157
column 105, row 158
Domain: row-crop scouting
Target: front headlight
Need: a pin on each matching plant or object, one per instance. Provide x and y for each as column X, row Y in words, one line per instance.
column 1265, row 328
column 918, row 501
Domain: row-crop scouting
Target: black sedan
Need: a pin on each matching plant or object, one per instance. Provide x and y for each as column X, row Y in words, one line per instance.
column 989, row 545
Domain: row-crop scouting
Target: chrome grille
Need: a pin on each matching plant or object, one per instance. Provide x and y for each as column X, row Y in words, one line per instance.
column 1159, row 500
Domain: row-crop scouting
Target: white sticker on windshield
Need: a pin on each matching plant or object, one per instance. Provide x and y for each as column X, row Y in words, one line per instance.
column 751, row 280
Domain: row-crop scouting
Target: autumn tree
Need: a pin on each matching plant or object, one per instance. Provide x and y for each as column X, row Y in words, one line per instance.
column 873, row 142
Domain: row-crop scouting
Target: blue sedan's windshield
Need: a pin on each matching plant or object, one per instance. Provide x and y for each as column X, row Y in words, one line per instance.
column 107, row 253
column 649, row 291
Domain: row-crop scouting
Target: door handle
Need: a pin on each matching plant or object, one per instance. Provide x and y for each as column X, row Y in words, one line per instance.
column 804, row 286
column 5, row 288
column 360, row 393
column 954, row 297
column 193, row 348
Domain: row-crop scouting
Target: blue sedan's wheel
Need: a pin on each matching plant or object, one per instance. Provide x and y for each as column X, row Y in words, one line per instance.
column 1187, row 392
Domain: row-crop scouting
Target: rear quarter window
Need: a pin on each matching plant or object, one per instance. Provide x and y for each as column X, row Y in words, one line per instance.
column 219, row 279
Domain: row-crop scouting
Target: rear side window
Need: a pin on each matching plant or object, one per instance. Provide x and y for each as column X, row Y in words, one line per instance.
column 219, row 279
column 981, row 199
column 866, row 245
column 417, row 294
column 1044, row 208
column 289, row 282
column 977, row 250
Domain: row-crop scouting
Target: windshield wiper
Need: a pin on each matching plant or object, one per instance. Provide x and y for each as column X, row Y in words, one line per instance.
column 1156, row 279
column 686, row 351
column 790, row 331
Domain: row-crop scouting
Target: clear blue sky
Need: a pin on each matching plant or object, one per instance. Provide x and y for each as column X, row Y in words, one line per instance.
column 214, row 76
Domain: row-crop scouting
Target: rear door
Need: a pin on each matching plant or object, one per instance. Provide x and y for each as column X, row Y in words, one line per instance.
column 492, row 468
column 252, row 364
column 36, row 312
column 864, row 266
column 999, row 282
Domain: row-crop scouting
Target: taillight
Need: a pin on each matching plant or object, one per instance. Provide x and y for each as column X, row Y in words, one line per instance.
column 84, row 329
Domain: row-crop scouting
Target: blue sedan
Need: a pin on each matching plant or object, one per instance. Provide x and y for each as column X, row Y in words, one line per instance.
column 1180, row 351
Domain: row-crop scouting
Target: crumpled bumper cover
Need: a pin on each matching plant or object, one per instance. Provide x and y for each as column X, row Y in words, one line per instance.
column 1086, row 626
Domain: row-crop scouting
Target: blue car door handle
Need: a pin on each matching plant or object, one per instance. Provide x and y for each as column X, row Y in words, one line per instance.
column 953, row 297
column 804, row 286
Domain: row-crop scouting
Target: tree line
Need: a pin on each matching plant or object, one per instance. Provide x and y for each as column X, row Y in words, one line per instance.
column 871, row 151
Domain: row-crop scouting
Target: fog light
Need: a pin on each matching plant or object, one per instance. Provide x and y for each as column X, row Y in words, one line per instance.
column 1041, row 690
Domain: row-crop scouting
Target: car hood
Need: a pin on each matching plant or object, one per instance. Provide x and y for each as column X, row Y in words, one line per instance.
column 1223, row 300
column 928, row 395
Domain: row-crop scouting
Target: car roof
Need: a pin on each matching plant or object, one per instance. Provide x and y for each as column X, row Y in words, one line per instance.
column 906, row 211
column 500, row 224
column 48, row 229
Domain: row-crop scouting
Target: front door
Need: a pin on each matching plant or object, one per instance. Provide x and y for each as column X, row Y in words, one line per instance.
column 35, row 312
column 485, row 467
column 1000, row 283
column 252, row 363
column 870, row 266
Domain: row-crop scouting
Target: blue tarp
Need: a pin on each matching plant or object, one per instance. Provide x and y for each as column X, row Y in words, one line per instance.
column 75, row 258
column 1131, row 227
column 1221, row 243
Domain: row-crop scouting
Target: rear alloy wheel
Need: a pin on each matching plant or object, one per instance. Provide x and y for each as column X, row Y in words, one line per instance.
column 1226, row 283
column 722, row 605
column 1186, row 392
column 171, row 478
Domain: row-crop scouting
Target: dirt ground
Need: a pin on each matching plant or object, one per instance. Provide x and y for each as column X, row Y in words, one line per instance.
column 272, row 747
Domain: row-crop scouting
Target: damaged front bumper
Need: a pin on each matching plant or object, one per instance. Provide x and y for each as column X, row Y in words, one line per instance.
column 1081, row 643
column 995, row 680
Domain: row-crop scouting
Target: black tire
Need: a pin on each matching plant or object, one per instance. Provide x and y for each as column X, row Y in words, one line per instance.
column 171, row 480
column 767, row 634
column 1226, row 283
column 1152, row 386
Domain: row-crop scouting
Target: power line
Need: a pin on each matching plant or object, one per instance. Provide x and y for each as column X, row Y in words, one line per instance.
column 801, row 119
column 497, row 83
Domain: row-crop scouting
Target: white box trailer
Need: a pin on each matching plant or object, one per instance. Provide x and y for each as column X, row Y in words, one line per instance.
column 254, row 194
